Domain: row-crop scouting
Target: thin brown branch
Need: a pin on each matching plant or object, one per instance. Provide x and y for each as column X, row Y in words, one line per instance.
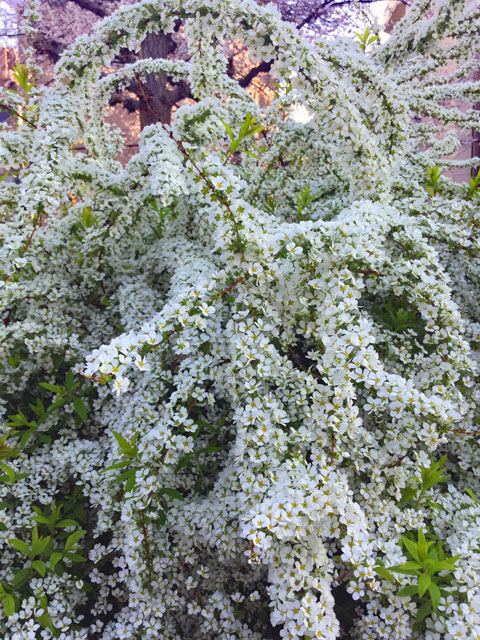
column 19, row 115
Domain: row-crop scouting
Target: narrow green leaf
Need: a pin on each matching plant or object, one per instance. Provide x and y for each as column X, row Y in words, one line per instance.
column 422, row 547
column 75, row 557
column 410, row 590
column 40, row 567
column 24, row 439
column 8, row 452
column 411, row 548
column 423, row 612
column 126, row 475
column 52, row 387
column 20, row 578
column 172, row 493
column 47, row 623
column 9, row 472
column 469, row 491
column 408, row 568
column 424, row 581
column 18, row 420
column 68, row 522
column 384, row 573
column 228, row 128
column 118, row 465
column 57, row 404
column 131, row 480
column 69, row 380
column 73, row 538
column 38, row 408
column 434, row 592
column 55, row 558
column 41, row 545
column 80, row 408
column 125, row 446
column 442, row 565
column 9, row 605
column 21, row 546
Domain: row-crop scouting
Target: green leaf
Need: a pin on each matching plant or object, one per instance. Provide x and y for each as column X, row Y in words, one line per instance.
column 38, row 408
column 73, row 538
column 40, row 567
column 47, row 623
column 184, row 461
column 9, row 472
column 25, row 438
column 434, row 592
column 469, row 491
column 18, row 420
column 131, row 480
column 41, row 545
column 442, row 565
column 60, row 402
column 9, row 605
column 126, row 475
column 423, row 612
column 162, row 518
column 13, row 360
column 8, row 452
column 410, row 568
column 384, row 573
column 68, row 522
column 20, row 578
column 80, row 408
column 422, row 546
column 70, row 380
column 75, row 557
column 21, row 546
column 55, row 558
column 228, row 128
column 411, row 547
column 118, row 465
column 52, row 387
column 411, row 590
column 172, row 493
column 423, row 583
column 125, row 447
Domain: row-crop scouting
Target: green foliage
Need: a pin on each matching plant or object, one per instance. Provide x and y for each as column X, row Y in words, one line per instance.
column 473, row 187
column 247, row 129
column 431, row 570
column 304, row 198
column 432, row 181
column 24, row 428
column 21, row 75
column 44, row 548
column 429, row 477
column 130, row 455
column 365, row 39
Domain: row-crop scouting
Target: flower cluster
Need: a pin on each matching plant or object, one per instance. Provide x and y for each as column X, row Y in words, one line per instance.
column 233, row 369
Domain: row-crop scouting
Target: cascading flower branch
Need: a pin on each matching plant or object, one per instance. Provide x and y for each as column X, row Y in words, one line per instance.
column 239, row 383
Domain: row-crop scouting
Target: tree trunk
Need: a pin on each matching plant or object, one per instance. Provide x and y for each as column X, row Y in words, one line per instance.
column 155, row 96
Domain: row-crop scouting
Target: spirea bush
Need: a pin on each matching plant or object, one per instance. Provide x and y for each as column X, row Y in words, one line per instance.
column 239, row 379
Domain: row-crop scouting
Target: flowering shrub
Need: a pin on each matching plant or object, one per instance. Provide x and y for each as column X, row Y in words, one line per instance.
column 239, row 374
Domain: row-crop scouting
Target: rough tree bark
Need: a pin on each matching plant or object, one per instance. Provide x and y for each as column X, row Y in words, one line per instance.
column 155, row 97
